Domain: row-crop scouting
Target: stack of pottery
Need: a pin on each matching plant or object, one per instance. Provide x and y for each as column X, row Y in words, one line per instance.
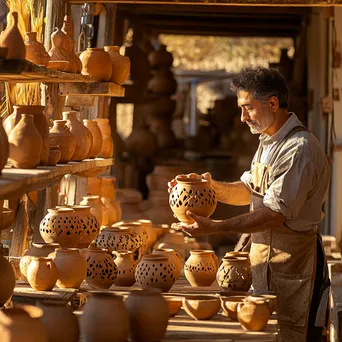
column 108, row 197
column 126, row 268
column 107, row 149
column 130, row 201
column 4, row 147
column 42, row 273
column 7, row 281
column 35, row 51
column 96, row 208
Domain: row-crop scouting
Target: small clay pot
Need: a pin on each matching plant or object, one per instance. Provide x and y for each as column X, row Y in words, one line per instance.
column 97, row 64
column 121, row 65
column 107, row 149
column 96, row 208
column 201, row 307
column 7, row 281
column 94, row 129
column 174, row 304
column 94, row 186
column 108, row 187
column 111, row 206
column 35, row 51
column 230, row 306
column 126, row 268
column 160, row 58
column 54, row 155
column 174, row 258
column 42, row 274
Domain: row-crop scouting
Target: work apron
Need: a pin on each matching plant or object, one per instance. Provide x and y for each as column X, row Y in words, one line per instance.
column 283, row 260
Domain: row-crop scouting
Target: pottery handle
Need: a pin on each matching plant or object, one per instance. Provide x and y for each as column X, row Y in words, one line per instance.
column 239, row 306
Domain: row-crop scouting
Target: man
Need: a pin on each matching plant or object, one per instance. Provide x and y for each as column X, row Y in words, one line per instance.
column 286, row 188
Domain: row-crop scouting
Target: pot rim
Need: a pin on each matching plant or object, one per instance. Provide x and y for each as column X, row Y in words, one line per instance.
column 45, row 244
column 194, row 181
column 155, row 257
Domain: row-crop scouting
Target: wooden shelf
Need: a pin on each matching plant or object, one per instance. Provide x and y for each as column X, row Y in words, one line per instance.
column 93, row 88
column 14, row 182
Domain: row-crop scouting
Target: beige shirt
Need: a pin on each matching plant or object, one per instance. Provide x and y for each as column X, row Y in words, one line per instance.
column 299, row 177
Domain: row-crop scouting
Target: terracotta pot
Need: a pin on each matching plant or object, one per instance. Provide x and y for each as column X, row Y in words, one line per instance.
column 58, row 50
column 22, row 324
column 94, row 186
column 94, row 129
column 151, row 232
column 107, row 140
column 71, row 266
column 111, row 210
column 174, row 304
column 54, row 155
column 253, row 315
column 101, row 269
column 96, row 208
column 4, row 147
column 115, row 239
column 25, row 144
column 126, row 268
column 108, row 187
column 68, row 26
column 201, row 307
column 121, row 65
column 238, row 254
column 82, row 135
column 162, row 83
column 155, row 271
column 7, row 281
column 40, row 123
column 35, row 51
column 142, row 142
column 75, row 64
column 61, row 226
column 42, row 274
column 230, row 306
column 161, row 58
column 11, row 38
column 201, row 268
column 194, row 195
column 148, row 315
column 174, row 258
column 235, row 273
column 57, row 314
column 97, row 64
column 64, row 139
column 270, row 300
column 58, row 65
column 159, row 107
column 96, row 322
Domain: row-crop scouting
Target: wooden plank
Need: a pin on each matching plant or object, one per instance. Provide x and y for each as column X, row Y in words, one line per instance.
column 93, row 88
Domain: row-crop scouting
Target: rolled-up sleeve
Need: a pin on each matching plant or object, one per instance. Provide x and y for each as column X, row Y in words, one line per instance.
column 292, row 179
column 246, row 178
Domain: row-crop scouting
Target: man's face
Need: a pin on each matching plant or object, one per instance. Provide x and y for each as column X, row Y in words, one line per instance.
column 254, row 112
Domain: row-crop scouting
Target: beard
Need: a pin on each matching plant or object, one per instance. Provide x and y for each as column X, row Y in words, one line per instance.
column 266, row 121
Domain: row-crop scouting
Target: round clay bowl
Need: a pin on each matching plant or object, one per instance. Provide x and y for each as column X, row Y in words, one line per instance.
column 58, row 65
column 174, row 304
column 230, row 306
column 7, row 218
column 201, row 307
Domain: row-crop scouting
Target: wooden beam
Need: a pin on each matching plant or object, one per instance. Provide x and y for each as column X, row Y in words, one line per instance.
column 95, row 89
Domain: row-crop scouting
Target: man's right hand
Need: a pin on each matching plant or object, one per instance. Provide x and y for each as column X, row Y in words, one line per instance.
column 206, row 176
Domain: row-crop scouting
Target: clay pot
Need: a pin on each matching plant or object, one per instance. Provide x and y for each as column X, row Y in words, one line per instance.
column 160, row 58
column 25, row 144
column 58, row 65
column 235, row 273
column 42, row 274
column 174, row 304
column 96, row 208
column 107, row 149
column 97, row 64
column 94, row 186
column 194, row 195
column 69, row 45
column 108, row 187
column 148, row 315
column 201, row 307
column 11, row 38
column 160, row 107
column 162, row 82
column 61, row 226
column 71, row 266
column 174, row 258
column 142, row 142
column 105, row 318
column 22, row 324
column 111, row 210
column 230, row 306
column 4, row 147
column 7, row 281
column 191, row 244
column 155, row 271
column 201, row 268
column 270, row 300
column 115, row 239
column 57, row 314
column 101, row 269
column 61, row 136
column 151, row 232
column 253, row 315
column 238, row 254
column 58, row 50
column 126, row 268
column 40, row 123
column 121, row 65
column 54, row 155
column 35, row 51
column 82, row 135
column 68, row 26
column 94, row 129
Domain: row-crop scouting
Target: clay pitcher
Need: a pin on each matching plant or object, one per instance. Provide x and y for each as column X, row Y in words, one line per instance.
column 97, row 208
column 126, row 268
column 25, row 144
column 35, row 51
column 11, row 38
column 94, row 129
column 4, row 147
column 7, row 281
column 121, row 65
column 107, row 149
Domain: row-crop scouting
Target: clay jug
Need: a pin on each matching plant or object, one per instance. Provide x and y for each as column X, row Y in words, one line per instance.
column 11, row 38
column 201, row 268
column 35, row 51
column 101, row 269
column 94, row 186
column 230, row 305
column 71, row 267
column 4, row 147
column 121, row 65
column 174, row 258
column 40, row 122
column 25, row 144
column 111, row 210
column 235, row 273
column 194, row 195
column 58, row 50
column 22, row 324
column 96, row 208
column 94, row 129
column 82, row 135
column 57, row 314
column 7, row 281
column 108, row 187
column 155, row 271
column 126, row 268
column 64, row 139
column 162, row 82
column 96, row 322
column 97, row 64
column 160, row 58
column 148, row 315
column 253, row 314
column 42, row 274
column 62, row 226
column 107, row 149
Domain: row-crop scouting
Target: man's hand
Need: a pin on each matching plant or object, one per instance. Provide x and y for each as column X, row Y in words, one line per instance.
column 206, row 176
